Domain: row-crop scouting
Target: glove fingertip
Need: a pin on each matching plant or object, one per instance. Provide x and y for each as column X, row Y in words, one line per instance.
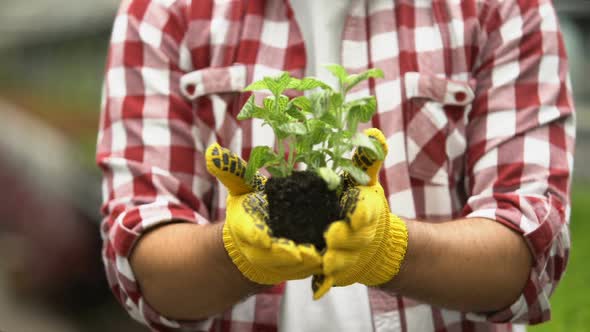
column 211, row 154
column 371, row 165
column 336, row 232
column 321, row 285
column 361, row 220
column 228, row 167
column 379, row 136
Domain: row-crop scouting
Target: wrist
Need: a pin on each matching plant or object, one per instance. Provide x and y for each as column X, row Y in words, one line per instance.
column 418, row 245
column 250, row 272
column 393, row 252
column 228, row 262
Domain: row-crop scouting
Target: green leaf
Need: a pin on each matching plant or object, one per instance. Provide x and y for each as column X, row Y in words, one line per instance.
column 275, row 171
column 303, row 103
column 329, row 119
column 296, row 113
column 331, row 178
column 307, row 83
column 352, row 122
column 269, row 103
column 354, row 79
column 338, row 71
column 364, row 141
column 301, row 148
column 317, row 159
column 336, row 100
column 357, row 174
column 251, row 110
column 293, row 128
column 259, row 157
column 281, row 134
column 321, row 102
column 327, row 152
column 347, row 134
column 314, row 159
column 336, row 139
column 246, row 111
column 283, row 102
column 362, row 109
column 257, row 86
column 318, row 131
column 278, row 84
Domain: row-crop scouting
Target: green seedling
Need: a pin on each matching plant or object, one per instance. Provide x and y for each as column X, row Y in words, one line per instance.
column 319, row 130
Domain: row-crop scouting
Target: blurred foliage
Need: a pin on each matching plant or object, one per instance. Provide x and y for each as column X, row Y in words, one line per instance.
column 60, row 83
column 570, row 302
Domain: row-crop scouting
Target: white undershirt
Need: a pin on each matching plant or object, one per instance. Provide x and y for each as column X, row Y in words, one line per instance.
column 342, row 308
column 321, row 22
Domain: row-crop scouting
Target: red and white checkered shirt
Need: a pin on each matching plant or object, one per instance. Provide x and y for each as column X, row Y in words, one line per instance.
column 475, row 105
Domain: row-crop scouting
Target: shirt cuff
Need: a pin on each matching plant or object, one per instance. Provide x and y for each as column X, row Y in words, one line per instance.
column 120, row 233
column 542, row 222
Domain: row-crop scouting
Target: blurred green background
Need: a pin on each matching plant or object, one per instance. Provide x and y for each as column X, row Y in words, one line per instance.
column 570, row 301
column 51, row 68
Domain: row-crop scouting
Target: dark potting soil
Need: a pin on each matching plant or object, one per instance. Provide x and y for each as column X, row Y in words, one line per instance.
column 301, row 207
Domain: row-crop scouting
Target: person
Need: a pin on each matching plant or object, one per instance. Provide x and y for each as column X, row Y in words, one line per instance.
column 476, row 111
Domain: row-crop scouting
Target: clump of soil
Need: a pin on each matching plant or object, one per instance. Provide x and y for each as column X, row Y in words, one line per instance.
column 301, row 207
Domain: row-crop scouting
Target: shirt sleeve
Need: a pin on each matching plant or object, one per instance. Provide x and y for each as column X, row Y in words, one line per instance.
column 521, row 139
column 148, row 145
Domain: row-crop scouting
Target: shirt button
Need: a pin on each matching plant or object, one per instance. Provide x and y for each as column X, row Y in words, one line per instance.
column 190, row 89
column 460, row 96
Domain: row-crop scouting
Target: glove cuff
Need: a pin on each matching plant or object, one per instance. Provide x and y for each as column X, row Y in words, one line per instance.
column 391, row 254
column 245, row 267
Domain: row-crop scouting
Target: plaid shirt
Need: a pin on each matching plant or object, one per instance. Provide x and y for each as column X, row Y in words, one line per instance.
column 475, row 105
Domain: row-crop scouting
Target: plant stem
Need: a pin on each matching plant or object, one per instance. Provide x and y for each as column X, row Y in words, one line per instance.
column 285, row 170
column 291, row 154
column 340, row 129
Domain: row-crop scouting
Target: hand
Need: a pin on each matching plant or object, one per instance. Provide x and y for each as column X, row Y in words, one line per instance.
column 369, row 245
column 247, row 239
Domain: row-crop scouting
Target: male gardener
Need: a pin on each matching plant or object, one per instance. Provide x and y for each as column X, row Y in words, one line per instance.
column 464, row 226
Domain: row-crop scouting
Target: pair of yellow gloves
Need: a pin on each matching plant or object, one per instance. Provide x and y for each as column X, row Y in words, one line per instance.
column 367, row 246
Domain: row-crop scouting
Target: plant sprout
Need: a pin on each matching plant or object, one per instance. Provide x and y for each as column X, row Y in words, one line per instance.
column 318, row 130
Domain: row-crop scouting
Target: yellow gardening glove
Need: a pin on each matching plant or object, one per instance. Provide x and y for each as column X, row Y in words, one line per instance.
column 247, row 239
column 369, row 245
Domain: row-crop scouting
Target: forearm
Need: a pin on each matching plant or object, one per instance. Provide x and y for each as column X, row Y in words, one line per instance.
column 473, row 265
column 184, row 272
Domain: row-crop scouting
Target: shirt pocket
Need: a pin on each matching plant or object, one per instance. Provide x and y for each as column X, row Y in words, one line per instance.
column 435, row 116
column 213, row 80
column 216, row 93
